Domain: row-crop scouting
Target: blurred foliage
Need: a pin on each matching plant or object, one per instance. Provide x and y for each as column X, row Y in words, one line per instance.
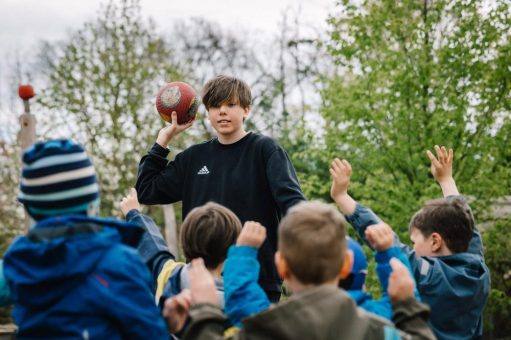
column 497, row 241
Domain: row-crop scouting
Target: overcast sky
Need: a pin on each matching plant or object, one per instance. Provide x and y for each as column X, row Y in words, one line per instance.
column 23, row 23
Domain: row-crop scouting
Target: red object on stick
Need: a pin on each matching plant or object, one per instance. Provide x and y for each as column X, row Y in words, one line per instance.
column 26, row 91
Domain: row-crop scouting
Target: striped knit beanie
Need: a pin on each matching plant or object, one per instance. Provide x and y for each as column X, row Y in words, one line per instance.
column 57, row 178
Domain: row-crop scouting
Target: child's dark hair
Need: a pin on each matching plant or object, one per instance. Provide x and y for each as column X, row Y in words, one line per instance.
column 208, row 231
column 312, row 240
column 221, row 89
column 449, row 217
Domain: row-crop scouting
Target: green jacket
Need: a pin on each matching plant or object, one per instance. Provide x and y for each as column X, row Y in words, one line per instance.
column 321, row 313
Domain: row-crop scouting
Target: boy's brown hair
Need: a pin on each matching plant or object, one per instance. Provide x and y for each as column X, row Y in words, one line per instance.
column 221, row 89
column 451, row 218
column 312, row 240
column 208, row 231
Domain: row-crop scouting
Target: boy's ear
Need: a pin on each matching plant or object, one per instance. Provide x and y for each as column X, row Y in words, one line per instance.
column 436, row 242
column 282, row 267
column 346, row 265
column 247, row 111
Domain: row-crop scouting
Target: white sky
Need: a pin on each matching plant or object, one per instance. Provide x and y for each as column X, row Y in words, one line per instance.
column 23, row 23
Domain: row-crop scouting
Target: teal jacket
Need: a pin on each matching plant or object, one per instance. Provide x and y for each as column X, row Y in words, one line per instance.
column 5, row 293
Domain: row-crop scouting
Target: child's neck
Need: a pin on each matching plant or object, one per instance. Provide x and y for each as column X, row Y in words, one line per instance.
column 443, row 251
column 217, row 272
column 296, row 286
column 232, row 138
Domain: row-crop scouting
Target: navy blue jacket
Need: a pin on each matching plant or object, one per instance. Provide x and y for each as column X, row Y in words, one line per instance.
column 75, row 277
column 456, row 287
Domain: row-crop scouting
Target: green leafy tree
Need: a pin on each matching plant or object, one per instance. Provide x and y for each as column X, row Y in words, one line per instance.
column 498, row 257
column 101, row 85
column 420, row 73
column 416, row 74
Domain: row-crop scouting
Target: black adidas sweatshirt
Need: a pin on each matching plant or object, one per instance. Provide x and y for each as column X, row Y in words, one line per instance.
column 253, row 177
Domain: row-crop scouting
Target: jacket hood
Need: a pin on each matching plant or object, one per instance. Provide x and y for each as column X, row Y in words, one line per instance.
column 462, row 275
column 461, row 286
column 59, row 253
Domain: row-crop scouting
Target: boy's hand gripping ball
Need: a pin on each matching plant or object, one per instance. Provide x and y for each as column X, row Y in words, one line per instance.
column 180, row 97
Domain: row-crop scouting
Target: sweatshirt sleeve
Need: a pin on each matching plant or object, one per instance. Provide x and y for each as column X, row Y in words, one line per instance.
column 282, row 179
column 362, row 218
column 243, row 295
column 159, row 181
column 152, row 247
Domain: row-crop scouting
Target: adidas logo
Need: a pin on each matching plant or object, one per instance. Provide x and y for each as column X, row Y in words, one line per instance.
column 203, row 171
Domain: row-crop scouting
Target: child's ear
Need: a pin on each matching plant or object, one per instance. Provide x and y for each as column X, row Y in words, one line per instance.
column 346, row 265
column 247, row 111
column 282, row 267
column 436, row 242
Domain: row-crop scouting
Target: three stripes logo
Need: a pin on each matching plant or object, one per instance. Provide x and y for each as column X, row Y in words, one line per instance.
column 203, row 171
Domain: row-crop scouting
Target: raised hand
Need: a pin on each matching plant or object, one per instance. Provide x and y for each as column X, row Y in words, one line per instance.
column 441, row 169
column 252, row 234
column 341, row 175
column 202, row 284
column 176, row 310
column 441, row 165
column 167, row 133
column 130, row 202
column 380, row 236
column 401, row 283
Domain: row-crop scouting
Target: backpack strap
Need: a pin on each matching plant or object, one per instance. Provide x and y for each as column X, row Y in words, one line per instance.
column 163, row 277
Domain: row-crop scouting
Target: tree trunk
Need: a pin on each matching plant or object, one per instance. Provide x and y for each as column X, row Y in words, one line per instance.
column 171, row 228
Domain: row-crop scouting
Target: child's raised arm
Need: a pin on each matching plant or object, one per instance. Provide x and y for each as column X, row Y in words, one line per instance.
column 341, row 175
column 252, row 234
column 130, row 202
column 358, row 216
column 243, row 295
column 381, row 237
column 441, row 169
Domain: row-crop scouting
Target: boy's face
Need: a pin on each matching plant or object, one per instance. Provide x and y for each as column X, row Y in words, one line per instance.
column 227, row 118
column 422, row 245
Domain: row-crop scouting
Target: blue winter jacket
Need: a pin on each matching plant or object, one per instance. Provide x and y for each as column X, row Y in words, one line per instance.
column 243, row 294
column 74, row 277
column 383, row 306
column 456, row 287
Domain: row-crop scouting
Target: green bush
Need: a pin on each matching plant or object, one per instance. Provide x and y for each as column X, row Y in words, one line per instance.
column 497, row 242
